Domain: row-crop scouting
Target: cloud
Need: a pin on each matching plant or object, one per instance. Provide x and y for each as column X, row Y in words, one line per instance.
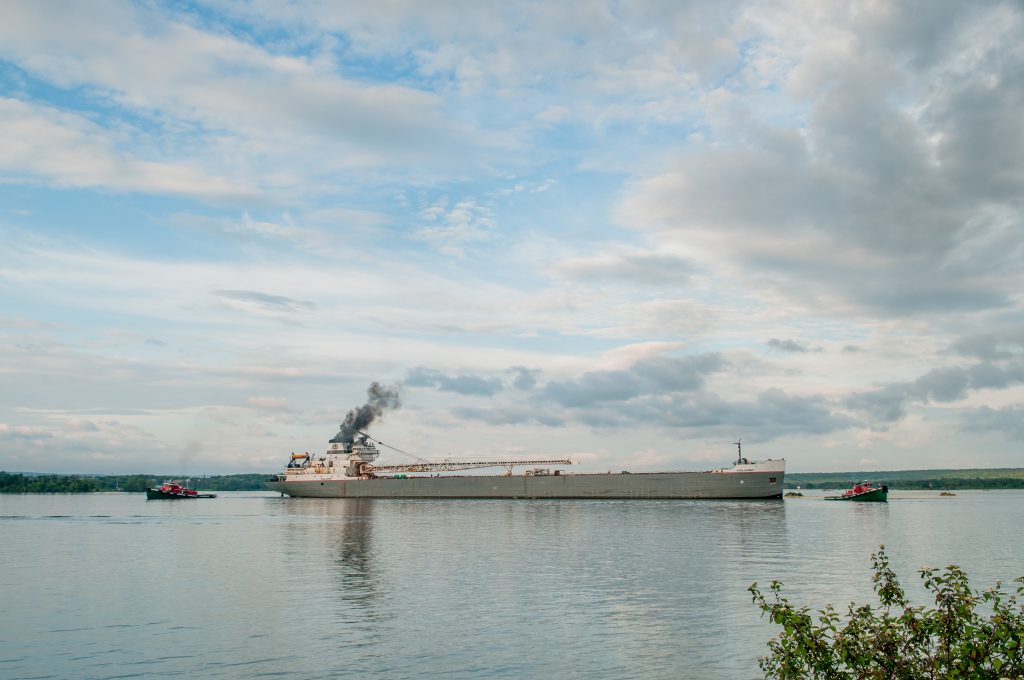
column 522, row 378
column 214, row 78
column 627, row 62
column 790, row 346
column 71, row 151
column 653, row 375
column 460, row 384
column 772, row 414
column 510, row 414
column 517, row 377
column 251, row 300
column 375, row 308
column 631, row 266
column 992, row 346
column 652, row 390
column 942, row 385
column 268, row 403
column 245, row 227
column 459, row 227
column 662, row 392
column 1008, row 420
column 666, row 318
column 893, row 194
column 74, row 440
column 884, row 404
column 226, row 119
column 24, row 432
column 22, row 322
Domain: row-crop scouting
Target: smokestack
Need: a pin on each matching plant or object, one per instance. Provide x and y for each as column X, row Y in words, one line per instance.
column 378, row 398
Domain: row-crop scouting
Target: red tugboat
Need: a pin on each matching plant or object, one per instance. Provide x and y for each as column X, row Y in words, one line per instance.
column 863, row 491
column 172, row 489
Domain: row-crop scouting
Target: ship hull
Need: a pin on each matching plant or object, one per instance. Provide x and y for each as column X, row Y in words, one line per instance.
column 751, row 485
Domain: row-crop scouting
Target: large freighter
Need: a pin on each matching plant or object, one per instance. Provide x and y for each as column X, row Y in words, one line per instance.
column 347, row 470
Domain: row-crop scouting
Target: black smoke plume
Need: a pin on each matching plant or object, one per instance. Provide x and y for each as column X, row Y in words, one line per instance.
column 378, row 398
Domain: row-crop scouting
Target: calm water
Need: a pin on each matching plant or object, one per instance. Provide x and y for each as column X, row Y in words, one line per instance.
column 251, row 585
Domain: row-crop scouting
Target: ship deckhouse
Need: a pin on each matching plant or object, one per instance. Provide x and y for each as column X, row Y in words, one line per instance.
column 341, row 461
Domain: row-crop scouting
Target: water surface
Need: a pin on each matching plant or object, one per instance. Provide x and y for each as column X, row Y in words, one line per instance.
column 253, row 585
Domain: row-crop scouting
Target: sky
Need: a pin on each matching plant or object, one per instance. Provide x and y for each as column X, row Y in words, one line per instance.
column 627, row 233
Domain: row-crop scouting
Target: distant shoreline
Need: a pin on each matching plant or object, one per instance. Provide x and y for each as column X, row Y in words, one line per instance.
column 32, row 482
column 937, row 480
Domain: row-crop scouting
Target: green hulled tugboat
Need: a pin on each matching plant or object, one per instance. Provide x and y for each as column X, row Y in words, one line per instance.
column 864, row 492
column 173, row 489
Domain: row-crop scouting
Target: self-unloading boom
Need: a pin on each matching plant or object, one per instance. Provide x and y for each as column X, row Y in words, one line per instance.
column 450, row 465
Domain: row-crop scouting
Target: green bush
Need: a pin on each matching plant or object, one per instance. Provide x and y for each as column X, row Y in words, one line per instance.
column 898, row 640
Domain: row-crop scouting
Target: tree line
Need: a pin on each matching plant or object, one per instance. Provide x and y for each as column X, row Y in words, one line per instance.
column 22, row 483
column 940, row 483
column 966, row 478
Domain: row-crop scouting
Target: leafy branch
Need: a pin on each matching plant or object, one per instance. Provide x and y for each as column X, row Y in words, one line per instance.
column 967, row 634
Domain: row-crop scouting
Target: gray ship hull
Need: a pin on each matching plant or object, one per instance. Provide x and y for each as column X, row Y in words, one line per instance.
column 614, row 486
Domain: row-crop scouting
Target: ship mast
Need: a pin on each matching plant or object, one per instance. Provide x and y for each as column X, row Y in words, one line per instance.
column 739, row 451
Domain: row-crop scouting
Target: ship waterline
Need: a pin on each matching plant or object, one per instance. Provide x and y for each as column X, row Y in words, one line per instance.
column 348, row 471
column 631, row 486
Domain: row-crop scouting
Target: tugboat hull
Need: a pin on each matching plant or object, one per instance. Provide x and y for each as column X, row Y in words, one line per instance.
column 172, row 490
column 871, row 496
column 157, row 494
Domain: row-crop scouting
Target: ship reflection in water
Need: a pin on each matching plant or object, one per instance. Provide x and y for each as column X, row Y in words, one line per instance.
column 357, row 578
column 334, row 539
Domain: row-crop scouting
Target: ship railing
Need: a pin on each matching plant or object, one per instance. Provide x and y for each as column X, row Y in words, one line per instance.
column 297, row 472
